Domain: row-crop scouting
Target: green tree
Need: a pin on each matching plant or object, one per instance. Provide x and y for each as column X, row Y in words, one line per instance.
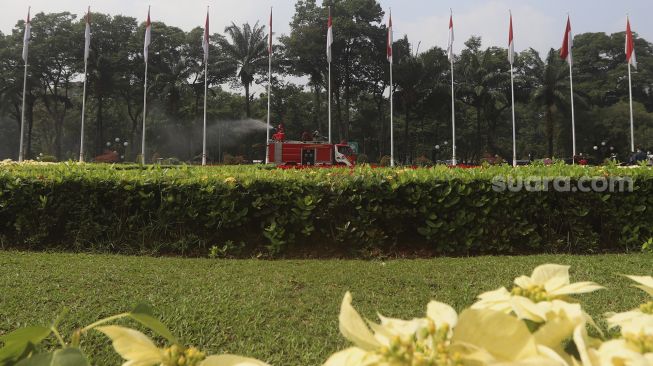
column 246, row 49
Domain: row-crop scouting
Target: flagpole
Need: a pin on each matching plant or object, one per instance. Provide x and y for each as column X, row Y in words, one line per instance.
column 330, row 59
column 514, row 133
column 573, row 113
column 26, row 37
column 267, row 130
column 146, row 59
column 87, row 35
column 22, row 118
column 392, row 136
column 453, row 119
column 632, row 123
column 206, row 68
column 144, row 114
column 205, row 95
column 511, row 58
column 81, row 143
column 329, row 102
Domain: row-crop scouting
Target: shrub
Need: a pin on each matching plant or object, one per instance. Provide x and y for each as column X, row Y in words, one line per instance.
column 385, row 160
column 234, row 160
column 185, row 210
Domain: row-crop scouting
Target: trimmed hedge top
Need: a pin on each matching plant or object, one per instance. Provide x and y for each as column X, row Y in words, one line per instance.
column 315, row 212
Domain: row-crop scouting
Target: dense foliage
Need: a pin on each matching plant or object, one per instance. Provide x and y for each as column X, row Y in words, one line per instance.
column 360, row 90
column 321, row 212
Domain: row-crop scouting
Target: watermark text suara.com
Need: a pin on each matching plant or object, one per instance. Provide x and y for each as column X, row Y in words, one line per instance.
column 562, row 184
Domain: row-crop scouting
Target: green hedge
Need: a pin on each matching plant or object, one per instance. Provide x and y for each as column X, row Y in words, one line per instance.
column 322, row 212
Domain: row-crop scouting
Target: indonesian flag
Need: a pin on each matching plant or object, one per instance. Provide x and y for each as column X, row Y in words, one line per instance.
column 205, row 40
column 630, row 46
column 390, row 39
column 511, row 44
column 270, row 36
column 27, row 36
column 148, row 35
column 87, row 34
column 567, row 44
column 329, row 37
column 451, row 39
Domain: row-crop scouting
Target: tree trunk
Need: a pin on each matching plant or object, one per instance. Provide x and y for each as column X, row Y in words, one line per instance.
column 58, row 136
column 247, row 107
column 549, row 131
column 99, row 128
column 30, row 125
column 479, row 141
column 406, row 139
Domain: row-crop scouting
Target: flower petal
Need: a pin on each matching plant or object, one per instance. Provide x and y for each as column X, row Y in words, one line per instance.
column 231, row 360
column 576, row 288
column 399, row 326
column 524, row 308
column 505, row 337
column 551, row 276
column 353, row 356
column 524, row 281
column 618, row 350
column 442, row 313
column 498, row 300
column 646, row 283
column 353, row 327
column 133, row 346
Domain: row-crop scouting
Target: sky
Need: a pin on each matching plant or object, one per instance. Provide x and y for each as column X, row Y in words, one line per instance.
column 537, row 23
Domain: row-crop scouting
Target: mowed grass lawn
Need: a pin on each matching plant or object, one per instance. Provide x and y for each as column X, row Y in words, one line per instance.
column 284, row 312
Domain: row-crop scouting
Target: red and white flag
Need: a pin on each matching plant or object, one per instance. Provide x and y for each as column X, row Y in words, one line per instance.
column 630, row 46
column 511, row 44
column 451, row 39
column 390, row 39
column 148, row 36
column 270, row 35
column 27, row 36
column 205, row 39
column 87, row 35
column 329, row 37
column 567, row 44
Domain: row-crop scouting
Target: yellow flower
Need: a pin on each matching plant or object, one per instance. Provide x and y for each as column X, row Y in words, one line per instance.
column 534, row 297
column 645, row 283
column 618, row 352
column 139, row 350
column 641, row 318
column 230, row 180
column 482, row 337
column 133, row 346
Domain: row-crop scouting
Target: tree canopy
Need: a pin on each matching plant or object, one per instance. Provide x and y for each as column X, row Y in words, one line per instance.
column 360, row 90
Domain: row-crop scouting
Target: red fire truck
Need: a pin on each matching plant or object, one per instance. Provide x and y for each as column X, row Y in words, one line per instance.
column 310, row 153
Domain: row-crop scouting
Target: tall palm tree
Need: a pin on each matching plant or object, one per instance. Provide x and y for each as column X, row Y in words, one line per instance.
column 551, row 93
column 247, row 50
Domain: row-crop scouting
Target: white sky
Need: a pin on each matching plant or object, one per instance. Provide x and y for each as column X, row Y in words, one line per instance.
column 538, row 23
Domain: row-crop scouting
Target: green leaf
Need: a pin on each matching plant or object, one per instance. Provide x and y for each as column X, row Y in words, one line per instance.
column 62, row 357
column 20, row 340
column 142, row 313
